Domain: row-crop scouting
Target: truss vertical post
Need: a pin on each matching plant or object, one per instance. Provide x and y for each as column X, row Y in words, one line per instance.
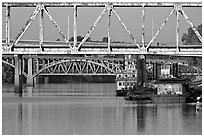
column 8, row 28
column 41, row 32
column 30, row 70
column 109, row 23
column 75, row 28
column 143, row 25
column 177, row 27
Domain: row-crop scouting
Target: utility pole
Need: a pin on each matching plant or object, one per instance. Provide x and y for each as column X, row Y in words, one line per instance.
column 68, row 29
column 152, row 28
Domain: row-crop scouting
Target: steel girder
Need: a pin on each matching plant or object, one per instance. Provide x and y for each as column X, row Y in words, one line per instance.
column 85, row 66
column 10, row 47
column 76, row 67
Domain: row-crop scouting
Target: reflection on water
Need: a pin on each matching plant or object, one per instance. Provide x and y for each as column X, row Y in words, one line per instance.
column 73, row 89
column 97, row 115
column 91, row 109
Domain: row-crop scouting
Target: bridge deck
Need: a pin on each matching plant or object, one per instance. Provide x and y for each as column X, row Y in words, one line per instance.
column 57, row 47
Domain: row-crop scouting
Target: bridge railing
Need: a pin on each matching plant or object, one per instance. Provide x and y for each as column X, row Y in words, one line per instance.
column 51, row 47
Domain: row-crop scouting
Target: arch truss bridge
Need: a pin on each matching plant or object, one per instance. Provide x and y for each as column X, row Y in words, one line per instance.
column 32, row 66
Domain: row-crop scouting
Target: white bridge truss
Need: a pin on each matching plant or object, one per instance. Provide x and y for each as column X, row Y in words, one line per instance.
column 18, row 46
column 76, row 66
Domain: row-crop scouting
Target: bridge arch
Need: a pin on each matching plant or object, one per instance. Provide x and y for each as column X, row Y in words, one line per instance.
column 94, row 63
column 8, row 63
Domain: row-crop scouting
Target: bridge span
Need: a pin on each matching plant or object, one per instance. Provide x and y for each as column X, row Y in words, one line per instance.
column 33, row 66
column 83, row 46
column 53, row 47
column 26, row 56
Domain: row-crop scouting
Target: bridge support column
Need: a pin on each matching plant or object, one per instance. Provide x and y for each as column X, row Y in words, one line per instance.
column 30, row 69
column 46, row 78
column 175, row 70
column 141, row 71
column 18, row 77
column 36, row 80
column 155, row 71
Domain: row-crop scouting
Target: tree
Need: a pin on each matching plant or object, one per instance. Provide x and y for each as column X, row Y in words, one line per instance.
column 80, row 38
column 8, row 74
column 105, row 39
column 190, row 38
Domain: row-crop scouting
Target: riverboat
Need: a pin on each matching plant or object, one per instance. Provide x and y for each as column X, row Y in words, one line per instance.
column 171, row 90
column 127, row 78
column 125, row 85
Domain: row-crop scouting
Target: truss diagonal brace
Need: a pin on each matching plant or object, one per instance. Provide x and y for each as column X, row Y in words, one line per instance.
column 55, row 25
column 130, row 34
column 28, row 23
column 192, row 26
column 158, row 31
column 92, row 27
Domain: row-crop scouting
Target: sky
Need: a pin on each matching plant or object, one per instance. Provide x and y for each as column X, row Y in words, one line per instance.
column 132, row 17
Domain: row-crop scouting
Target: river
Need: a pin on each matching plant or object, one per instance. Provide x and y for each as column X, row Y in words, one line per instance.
column 91, row 109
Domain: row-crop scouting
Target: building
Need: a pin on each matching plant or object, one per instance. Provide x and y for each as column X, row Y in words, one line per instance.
column 127, row 78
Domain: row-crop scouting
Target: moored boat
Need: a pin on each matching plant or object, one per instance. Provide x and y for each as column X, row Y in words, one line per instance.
column 168, row 91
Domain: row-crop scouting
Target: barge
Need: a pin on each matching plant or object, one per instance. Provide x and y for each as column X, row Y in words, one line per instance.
column 166, row 86
column 173, row 90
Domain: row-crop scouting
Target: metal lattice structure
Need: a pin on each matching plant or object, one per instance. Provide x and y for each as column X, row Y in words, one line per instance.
column 77, row 66
column 17, row 46
column 44, row 65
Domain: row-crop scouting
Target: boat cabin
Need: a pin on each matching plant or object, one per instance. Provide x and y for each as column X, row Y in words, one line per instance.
column 172, row 86
column 125, row 81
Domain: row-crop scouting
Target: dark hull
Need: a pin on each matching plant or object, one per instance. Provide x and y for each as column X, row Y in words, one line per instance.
column 156, row 98
column 121, row 93
column 169, row 98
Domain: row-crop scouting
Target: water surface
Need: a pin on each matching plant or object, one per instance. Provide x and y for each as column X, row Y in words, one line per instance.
column 96, row 115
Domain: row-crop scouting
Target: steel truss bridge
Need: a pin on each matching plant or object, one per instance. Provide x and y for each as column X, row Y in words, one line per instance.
column 39, row 57
column 18, row 46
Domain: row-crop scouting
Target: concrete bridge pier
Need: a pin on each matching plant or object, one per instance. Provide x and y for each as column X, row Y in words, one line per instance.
column 18, row 77
column 29, row 81
column 46, row 79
